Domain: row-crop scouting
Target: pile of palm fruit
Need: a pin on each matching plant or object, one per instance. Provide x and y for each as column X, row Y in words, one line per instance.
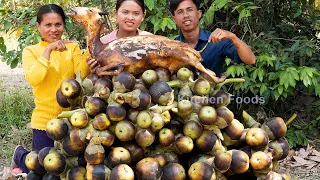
column 156, row 126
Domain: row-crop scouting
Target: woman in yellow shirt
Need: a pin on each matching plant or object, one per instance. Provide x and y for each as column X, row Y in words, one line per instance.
column 45, row 66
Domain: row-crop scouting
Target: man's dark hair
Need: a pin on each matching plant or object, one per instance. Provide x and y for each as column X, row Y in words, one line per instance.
column 173, row 4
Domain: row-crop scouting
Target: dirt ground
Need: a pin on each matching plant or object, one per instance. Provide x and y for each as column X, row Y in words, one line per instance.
column 10, row 78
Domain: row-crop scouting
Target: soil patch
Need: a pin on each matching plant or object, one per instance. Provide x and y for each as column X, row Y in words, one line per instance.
column 11, row 78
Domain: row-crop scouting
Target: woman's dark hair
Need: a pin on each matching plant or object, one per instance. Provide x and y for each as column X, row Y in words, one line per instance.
column 139, row 2
column 173, row 4
column 50, row 8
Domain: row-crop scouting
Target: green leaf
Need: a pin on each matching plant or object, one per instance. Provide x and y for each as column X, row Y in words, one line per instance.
column 7, row 25
column 307, row 81
column 14, row 63
column 276, row 95
column 280, row 89
column 289, row 77
column 242, row 15
column 240, row 70
column 253, row 7
column 33, row 21
column 254, row 74
column 3, row 47
column 271, row 60
column 308, row 51
column 143, row 26
column 306, row 75
column 247, row 82
column 248, row 13
column 261, row 74
column 153, row 19
column 298, row 13
column 317, row 89
column 69, row 26
column 220, row 3
column 263, row 88
column 29, row 39
column 291, row 142
column 231, row 71
column 157, row 26
column 282, row 78
column 314, row 81
column 245, row 29
column 209, row 15
column 294, row 73
column 272, row 76
column 228, row 61
column 164, row 24
column 150, row 4
column 295, row 46
column 172, row 24
column 292, row 82
column 1, row 40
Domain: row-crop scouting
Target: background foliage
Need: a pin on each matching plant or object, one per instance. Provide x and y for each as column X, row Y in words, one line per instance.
column 284, row 36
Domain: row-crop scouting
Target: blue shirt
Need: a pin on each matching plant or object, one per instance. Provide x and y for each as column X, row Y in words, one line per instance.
column 214, row 54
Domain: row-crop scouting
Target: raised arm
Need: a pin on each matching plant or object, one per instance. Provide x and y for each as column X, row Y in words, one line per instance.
column 244, row 52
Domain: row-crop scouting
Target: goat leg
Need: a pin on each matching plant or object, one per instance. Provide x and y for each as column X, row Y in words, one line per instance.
column 110, row 70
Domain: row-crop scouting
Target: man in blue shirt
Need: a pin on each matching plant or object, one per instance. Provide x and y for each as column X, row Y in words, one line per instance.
column 186, row 14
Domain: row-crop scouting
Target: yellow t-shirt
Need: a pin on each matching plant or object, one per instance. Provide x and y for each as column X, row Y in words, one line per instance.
column 45, row 76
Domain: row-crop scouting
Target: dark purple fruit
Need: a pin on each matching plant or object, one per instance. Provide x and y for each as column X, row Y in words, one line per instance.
column 34, row 176
column 161, row 93
column 124, row 82
column 43, row 153
column 62, row 99
column 94, row 106
column 77, row 173
column 70, row 88
column 116, row 112
column 55, row 163
column 103, row 82
column 57, row 129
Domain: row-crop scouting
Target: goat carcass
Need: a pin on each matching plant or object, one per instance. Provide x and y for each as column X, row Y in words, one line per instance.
column 137, row 53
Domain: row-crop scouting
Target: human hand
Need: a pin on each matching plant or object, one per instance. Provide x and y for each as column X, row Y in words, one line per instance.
column 59, row 45
column 104, row 30
column 220, row 34
column 92, row 63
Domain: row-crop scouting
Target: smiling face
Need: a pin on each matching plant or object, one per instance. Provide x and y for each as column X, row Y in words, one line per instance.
column 129, row 16
column 51, row 27
column 187, row 16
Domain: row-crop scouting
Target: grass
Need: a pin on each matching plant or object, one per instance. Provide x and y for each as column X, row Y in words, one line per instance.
column 16, row 106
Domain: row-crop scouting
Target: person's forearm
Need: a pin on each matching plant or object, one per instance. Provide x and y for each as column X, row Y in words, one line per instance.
column 244, row 52
column 46, row 53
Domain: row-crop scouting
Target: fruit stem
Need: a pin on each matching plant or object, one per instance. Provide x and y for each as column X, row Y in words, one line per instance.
column 249, row 122
column 78, row 77
column 67, row 114
column 291, row 119
column 174, row 83
column 229, row 80
column 215, row 129
column 161, row 109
